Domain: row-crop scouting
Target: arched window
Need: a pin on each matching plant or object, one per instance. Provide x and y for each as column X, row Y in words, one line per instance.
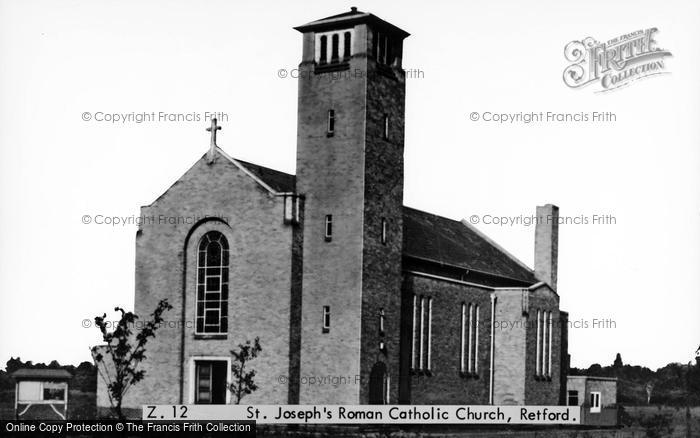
column 324, row 48
column 212, row 284
column 346, row 46
column 334, row 48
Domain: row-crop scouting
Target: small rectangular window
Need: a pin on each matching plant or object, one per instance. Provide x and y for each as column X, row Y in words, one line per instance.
column 54, row 391
column 595, row 401
column 331, row 122
column 329, row 227
column 381, row 322
column 326, row 319
column 572, row 398
column 386, row 126
column 288, row 208
column 384, row 231
column 291, row 209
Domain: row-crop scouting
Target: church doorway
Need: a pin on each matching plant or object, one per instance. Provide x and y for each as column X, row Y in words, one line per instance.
column 210, row 381
column 379, row 384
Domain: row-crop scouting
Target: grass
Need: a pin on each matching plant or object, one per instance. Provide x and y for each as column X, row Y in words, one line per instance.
column 665, row 421
column 659, row 421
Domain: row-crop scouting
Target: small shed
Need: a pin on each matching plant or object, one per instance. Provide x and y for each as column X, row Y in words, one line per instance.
column 597, row 397
column 41, row 393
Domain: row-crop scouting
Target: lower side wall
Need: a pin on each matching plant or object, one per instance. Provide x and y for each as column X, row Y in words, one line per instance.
column 445, row 382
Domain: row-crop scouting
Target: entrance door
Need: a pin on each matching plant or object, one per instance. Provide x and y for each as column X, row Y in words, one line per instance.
column 210, row 382
column 379, row 385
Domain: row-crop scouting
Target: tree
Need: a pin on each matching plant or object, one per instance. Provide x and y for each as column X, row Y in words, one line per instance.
column 13, row 365
column 618, row 361
column 122, row 372
column 243, row 383
column 649, row 388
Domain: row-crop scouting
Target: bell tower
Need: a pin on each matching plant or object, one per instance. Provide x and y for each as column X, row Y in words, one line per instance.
column 350, row 142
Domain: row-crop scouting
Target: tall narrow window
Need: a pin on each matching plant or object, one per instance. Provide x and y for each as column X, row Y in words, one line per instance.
column 537, row 352
column 331, row 122
column 329, row 227
column 430, row 333
column 470, row 333
column 326, row 319
column 324, row 50
column 462, row 338
column 380, row 48
column 388, row 52
column 549, row 348
column 346, row 46
column 212, row 284
column 414, row 328
column 544, row 343
column 476, row 341
column 381, row 322
column 334, row 47
column 387, row 389
column 422, row 333
column 385, row 48
column 383, row 231
column 386, row 127
column 375, row 40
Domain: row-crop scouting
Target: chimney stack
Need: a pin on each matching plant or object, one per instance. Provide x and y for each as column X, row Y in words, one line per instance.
column 546, row 244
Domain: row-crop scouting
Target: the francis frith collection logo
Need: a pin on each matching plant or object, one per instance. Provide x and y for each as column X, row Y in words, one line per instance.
column 616, row 62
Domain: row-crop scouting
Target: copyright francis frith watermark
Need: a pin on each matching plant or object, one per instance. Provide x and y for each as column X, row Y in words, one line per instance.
column 615, row 63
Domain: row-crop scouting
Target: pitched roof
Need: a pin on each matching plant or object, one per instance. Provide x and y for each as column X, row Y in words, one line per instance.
column 432, row 238
column 41, row 374
column 435, row 238
column 352, row 12
column 279, row 181
column 351, row 18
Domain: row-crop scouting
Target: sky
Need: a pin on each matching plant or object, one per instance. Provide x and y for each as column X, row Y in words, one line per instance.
column 66, row 62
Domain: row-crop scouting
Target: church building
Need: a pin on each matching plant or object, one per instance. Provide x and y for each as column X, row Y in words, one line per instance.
column 356, row 298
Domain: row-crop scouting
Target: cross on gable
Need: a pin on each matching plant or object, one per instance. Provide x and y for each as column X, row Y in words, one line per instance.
column 213, row 128
column 212, row 145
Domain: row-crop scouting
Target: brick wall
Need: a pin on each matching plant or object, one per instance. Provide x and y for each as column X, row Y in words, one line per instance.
column 330, row 174
column 509, row 348
column 381, row 282
column 356, row 176
column 260, row 280
column 543, row 391
column 444, row 384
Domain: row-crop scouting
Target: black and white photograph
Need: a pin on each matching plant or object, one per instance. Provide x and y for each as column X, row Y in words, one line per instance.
column 384, row 219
